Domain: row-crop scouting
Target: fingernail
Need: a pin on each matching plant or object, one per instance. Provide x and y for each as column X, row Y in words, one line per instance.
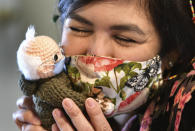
column 90, row 102
column 57, row 113
column 67, row 103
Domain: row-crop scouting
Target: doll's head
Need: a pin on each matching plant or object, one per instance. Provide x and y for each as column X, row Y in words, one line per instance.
column 39, row 57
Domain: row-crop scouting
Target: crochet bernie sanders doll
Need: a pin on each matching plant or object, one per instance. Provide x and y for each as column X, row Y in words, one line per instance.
column 41, row 62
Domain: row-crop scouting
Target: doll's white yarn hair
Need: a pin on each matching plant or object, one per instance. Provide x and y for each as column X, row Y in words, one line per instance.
column 30, row 34
column 28, row 64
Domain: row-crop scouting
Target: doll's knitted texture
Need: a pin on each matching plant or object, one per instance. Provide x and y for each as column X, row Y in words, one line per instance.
column 48, row 94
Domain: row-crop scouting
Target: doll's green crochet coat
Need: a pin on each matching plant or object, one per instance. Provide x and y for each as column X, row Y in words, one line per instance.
column 48, row 94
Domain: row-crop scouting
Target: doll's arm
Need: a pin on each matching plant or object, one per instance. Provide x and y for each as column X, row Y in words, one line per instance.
column 28, row 87
column 56, row 89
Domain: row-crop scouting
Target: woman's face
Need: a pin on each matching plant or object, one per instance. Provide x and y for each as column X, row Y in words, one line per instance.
column 113, row 28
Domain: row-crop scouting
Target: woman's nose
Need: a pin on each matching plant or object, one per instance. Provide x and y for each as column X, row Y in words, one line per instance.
column 100, row 45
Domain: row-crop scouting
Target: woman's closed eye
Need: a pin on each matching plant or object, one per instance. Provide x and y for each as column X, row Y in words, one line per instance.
column 80, row 31
column 124, row 41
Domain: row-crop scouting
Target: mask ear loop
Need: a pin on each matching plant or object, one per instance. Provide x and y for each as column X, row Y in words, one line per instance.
column 61, row 49
column 193, row 13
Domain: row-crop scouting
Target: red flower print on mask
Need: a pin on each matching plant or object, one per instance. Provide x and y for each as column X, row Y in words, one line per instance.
column 106, row 64
column 128, row 100
column 100, row 63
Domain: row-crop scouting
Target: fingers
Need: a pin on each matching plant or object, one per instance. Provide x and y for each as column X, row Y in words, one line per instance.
column 96, row 115
column 61, row 121
column 97, row 118
column 25, row 116
column 28, row 127
column 76, row 116
column 55, row 127
column 18, row 123
column 25, row 102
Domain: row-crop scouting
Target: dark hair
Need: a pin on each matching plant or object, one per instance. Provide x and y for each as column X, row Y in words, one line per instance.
column 172, row 20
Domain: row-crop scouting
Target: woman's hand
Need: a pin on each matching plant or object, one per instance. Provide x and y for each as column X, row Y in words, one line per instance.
column 24, row 117
column 97, row 122
column 26, row 120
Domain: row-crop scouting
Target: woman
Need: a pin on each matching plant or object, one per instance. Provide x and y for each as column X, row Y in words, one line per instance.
column 135, row 30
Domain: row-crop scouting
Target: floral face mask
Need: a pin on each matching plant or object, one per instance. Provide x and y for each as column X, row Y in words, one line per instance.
column 119, row 86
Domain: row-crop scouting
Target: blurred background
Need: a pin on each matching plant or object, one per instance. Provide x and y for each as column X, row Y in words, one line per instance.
column 15, row 17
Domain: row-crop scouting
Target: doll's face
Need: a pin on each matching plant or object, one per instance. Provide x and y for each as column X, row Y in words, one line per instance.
column 118, row 29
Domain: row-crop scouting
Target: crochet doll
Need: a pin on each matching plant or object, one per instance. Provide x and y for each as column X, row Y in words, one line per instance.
column 41, row 63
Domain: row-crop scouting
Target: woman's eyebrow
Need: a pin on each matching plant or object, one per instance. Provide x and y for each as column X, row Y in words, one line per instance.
column 80, row 19
column 125, row 27
column 128, row 27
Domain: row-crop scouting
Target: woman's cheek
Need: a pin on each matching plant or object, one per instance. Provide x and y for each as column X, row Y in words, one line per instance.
column 74, row 45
